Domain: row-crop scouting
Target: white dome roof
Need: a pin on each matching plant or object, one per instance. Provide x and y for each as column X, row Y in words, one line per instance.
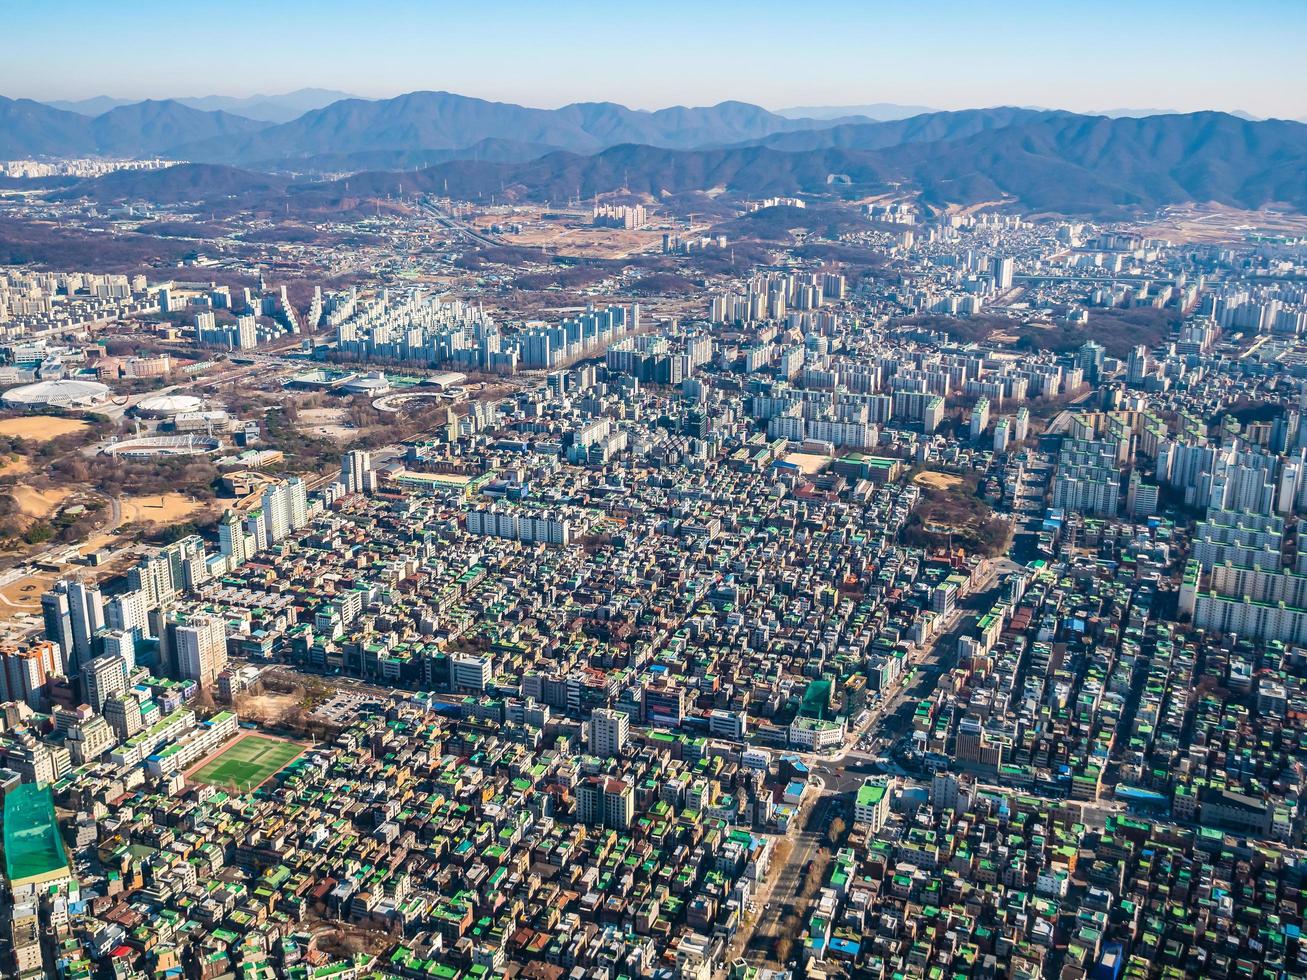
column 67, row 392
column 169, row 404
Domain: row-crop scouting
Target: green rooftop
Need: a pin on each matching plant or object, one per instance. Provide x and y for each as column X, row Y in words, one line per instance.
column 870, row 794
column 33, row 849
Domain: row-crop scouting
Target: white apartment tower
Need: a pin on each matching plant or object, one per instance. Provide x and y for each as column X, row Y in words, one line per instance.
column 202, row 649
column 608, row 732
column 356, row 472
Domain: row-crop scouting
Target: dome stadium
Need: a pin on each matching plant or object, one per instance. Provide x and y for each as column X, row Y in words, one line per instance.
column 65, row 393
column 168, row 406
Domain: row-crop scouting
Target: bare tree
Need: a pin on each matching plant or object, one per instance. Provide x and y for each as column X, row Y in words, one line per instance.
column 835, row 833
column 784, row 946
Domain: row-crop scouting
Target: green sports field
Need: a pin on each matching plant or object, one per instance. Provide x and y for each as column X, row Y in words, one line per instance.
column 246, row 762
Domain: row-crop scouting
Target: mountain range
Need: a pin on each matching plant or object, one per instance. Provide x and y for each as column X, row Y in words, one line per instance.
column 441, row 121
column 470, row 148
column 876, row 111
column 264, row 108
column 415, row 129
column 139, row 129
column 888, row 111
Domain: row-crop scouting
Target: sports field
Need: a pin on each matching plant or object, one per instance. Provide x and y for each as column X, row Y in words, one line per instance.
column 246, row 763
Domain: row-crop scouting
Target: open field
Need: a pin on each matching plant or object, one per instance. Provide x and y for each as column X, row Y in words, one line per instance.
column 808, row 463
column 40, row 428
column 574, row 236
column 326, row 423
column 1215, row 223
column 14, row 466
column 38, row 504
column 941, row 481
column 268, row 707
column 159, row 508
column 166, row 508
column 245, row 763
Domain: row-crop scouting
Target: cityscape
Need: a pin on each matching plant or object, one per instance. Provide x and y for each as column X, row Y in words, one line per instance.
column 450, row 538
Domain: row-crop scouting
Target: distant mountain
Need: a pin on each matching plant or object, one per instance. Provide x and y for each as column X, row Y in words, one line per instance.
column 487, row 150
column 1132, row 113
column 1063, row 163
column 265, row 108
column 424, row 121
column 270, row 108
column 154, row 127
column 876, row 111
column 95, row 106
column 927, row 128
column 30, row 128
column 1039, row 161
column 33, row 129
column 1091, row 164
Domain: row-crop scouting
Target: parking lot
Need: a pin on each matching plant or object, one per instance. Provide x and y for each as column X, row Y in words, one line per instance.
column 344, row 707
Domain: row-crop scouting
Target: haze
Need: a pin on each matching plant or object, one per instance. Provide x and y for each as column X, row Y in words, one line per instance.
column 1179, row 56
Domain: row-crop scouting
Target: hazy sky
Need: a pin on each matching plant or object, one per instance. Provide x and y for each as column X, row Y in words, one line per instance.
column 1084, row 55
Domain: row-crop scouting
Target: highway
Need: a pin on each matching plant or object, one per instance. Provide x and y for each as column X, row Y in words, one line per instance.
column 460, row 227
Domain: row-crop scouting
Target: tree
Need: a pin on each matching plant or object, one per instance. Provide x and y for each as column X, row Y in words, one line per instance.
column 835, row 833
column 784, row 946
column 38, row 533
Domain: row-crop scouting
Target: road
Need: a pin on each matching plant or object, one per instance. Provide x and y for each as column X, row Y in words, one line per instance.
column 837, row 776
column 842, row 773
column 779, row 897
column 462, row 227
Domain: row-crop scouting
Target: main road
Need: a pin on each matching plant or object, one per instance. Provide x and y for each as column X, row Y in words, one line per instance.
column 837, row 777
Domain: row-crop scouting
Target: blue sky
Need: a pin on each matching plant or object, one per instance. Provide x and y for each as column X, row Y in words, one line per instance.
column 1100, row 54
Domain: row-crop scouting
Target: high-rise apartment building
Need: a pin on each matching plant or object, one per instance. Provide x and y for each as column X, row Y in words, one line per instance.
column 123, row 713
column 201, row 648
column 601, row 801
column 25, row 673
column 1001, row 270
column 608, row 732
column 73, row 613
column 356, row 474
column 231, row 538
column 102, row 678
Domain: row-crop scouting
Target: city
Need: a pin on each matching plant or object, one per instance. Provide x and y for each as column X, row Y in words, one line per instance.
column 572, row 561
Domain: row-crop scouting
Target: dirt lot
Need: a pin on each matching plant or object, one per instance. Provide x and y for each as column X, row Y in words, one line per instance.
column 39, row 504
column 941, row 481
column 808, row 463
column 159, row 509
column 40, row 428
column 154, row 509
column 599, row 243
column 14, row 466
column 1216, row 223
column 327, row 423
column 24, row 595
column 269, row 707
column 575, row 235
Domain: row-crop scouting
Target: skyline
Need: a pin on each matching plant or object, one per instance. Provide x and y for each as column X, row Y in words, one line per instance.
column 646, row 59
